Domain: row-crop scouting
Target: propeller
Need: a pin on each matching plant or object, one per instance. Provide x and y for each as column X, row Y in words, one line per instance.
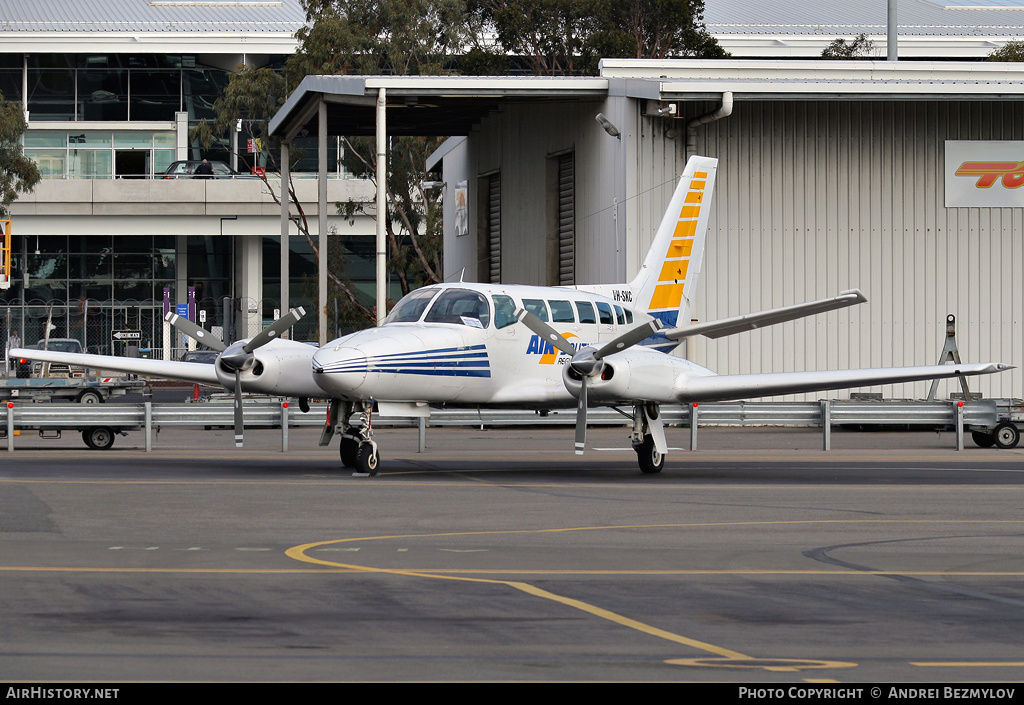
column 238, row 356
column 587, row 362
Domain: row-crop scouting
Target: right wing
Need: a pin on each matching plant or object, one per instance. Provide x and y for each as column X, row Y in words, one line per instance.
column 745, row 386
column 172, row 369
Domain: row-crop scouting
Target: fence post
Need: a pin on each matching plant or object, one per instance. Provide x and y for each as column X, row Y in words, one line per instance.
column 960, row 425
column 284, row 427
column 693, row 426
column 826, row 424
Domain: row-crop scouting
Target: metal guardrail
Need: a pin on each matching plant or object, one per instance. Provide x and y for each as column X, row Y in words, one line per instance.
column 275, row 414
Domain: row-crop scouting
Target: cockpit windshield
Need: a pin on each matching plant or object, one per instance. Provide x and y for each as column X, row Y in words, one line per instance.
column 410, row 309
column 460, row 306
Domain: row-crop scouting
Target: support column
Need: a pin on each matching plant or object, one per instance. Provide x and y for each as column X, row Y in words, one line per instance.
column 382, row 204
column 285, row 228
column 321, row 217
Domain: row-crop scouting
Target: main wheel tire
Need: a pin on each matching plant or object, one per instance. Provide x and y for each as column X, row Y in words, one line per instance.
column 90, row 396
column 1006, row 435
column 982, row 439
column 368, row 459
column 98, row 437
column 650, row 460
column 349, row 449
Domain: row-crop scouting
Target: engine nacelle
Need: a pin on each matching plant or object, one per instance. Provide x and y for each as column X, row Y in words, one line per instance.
column 631, row 375
column 279, row 367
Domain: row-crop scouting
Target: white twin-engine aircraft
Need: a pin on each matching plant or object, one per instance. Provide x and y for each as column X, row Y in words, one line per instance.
column 475, row 345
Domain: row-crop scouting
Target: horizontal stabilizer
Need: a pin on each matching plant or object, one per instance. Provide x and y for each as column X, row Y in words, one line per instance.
column 187, row 371
column 729, row 387
column 750, row 321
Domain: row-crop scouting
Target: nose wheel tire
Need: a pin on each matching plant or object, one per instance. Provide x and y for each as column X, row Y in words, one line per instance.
column 650, row 460
column 349, row 449
column 367, row 459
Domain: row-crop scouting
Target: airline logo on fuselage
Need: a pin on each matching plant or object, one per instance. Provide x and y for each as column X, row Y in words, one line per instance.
column 547, row 352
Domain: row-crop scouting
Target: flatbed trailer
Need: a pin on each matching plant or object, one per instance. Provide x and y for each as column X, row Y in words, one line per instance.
column 81, row 390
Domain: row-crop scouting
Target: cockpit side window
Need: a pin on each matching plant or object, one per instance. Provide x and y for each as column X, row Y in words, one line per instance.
column 537, row 308
column 606, row 313
column 504, row 311
column 411, row 307
column 462, row 307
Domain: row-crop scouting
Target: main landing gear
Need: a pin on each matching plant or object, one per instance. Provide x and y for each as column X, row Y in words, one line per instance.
column 358, row 450
column 648, row 438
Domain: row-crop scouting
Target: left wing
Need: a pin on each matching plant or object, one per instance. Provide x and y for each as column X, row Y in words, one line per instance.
column 186, row 371
column 750, row 321
column 727, row 387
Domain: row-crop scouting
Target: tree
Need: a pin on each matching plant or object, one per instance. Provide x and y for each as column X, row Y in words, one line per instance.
column 654, row 29
column 400, row 37
column 1013, row 50
column 18, row 173
column 859, row 48
column 567, row 37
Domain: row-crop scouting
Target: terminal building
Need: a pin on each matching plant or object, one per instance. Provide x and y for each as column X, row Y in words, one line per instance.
column 111, row 90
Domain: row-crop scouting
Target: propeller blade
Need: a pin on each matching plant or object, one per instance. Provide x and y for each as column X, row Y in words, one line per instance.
column 545, row 331
column 581, row 418
column 193, row 331
column 239, row 425
column 275, row 329
column 629, row 338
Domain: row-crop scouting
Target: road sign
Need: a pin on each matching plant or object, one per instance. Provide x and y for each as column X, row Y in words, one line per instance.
column 127, row 335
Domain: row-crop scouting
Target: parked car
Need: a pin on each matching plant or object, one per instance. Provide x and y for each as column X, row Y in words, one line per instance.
column 57, row 369
column 185, row 169
column 204, row 356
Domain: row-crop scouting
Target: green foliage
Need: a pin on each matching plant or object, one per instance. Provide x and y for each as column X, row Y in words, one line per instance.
column 859, row 48
column 389, row 37
column 18, row 173
column 1013, row 50
column 568, row 37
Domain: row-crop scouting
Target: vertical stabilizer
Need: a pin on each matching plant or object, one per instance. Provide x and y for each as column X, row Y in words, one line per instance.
column 665, row 285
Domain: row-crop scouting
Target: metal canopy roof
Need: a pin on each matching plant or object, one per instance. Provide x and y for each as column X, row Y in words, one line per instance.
column 419, row 105
column 452, row 105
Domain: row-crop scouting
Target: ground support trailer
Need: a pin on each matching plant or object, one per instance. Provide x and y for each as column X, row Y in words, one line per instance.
column 83, row 391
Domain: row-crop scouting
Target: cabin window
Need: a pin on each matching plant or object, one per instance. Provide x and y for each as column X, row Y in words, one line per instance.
column 606, row 313
column 411, row 307
column 561, row 312
column 620, row 317
column 462, row 307
column 586, row 312
column 537, row 307
column 629, row 316
column 504, row 311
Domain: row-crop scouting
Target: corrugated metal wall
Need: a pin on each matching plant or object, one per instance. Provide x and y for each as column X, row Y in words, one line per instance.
column 816, row 197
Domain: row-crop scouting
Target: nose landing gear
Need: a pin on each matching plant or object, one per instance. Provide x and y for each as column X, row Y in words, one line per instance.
column 358, row 450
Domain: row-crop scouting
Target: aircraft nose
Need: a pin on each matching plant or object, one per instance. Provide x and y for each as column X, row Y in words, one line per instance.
column 340, row 371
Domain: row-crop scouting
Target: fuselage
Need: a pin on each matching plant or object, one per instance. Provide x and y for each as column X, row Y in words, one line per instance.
column 461, row 344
